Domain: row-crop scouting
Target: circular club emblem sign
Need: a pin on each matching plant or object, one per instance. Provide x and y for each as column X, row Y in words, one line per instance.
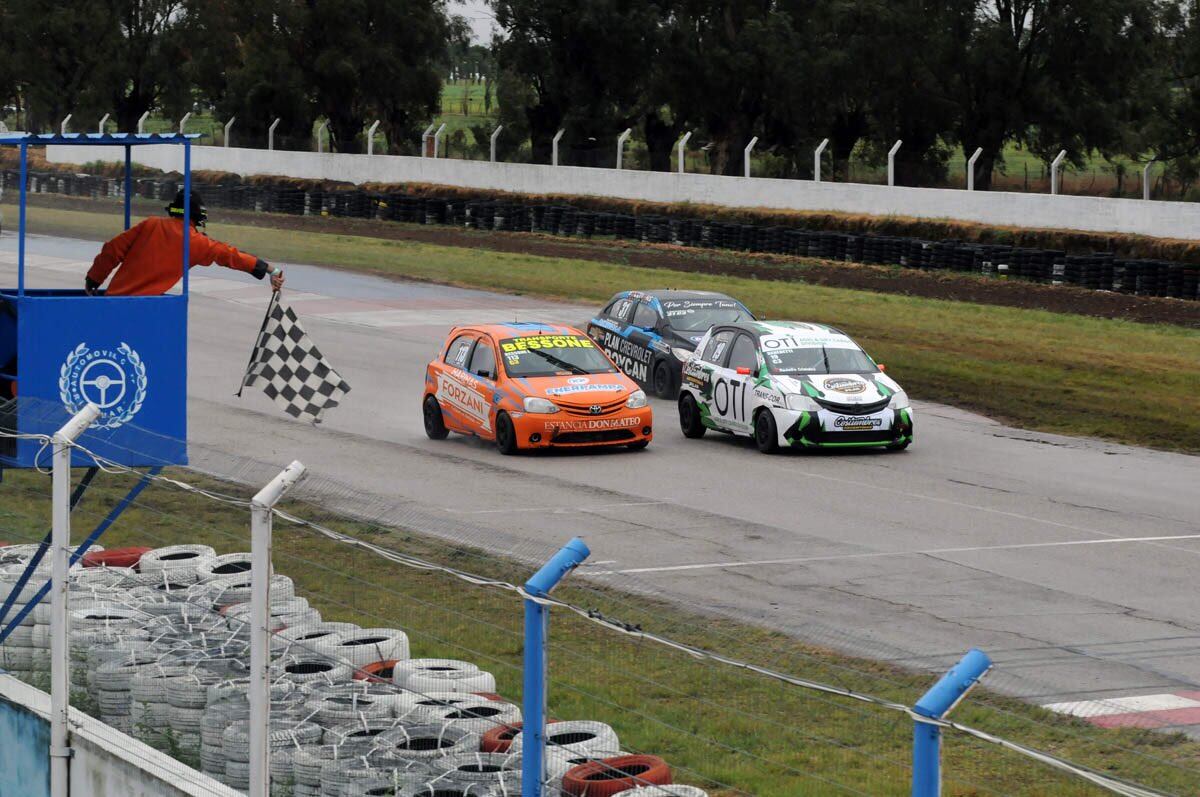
column 112, row 379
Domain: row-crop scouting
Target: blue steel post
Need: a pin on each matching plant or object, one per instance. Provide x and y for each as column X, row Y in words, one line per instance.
column 128, row 183
column 187, row 210
column 936, row 704
column 21, row 222
column 537, row 617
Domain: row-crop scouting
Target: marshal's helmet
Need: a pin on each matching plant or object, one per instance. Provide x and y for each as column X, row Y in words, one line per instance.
column 198, row 214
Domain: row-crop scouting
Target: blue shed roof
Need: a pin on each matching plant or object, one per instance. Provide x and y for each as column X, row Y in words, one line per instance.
column 97, row 139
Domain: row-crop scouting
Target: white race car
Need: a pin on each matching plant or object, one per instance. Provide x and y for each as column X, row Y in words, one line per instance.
column 786, row 383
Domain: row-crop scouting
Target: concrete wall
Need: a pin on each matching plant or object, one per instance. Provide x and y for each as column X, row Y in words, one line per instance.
column 106, row 762
column 1161, row 219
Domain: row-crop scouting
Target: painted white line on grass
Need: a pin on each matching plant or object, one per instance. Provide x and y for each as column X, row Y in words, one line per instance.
column 885, row 554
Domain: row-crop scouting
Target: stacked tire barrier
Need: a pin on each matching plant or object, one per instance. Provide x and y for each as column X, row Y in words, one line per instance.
column 159, row 648
column 1097, row 271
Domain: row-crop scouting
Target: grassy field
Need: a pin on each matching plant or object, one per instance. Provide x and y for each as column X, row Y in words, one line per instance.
column 732, row 731
column 1127, row 382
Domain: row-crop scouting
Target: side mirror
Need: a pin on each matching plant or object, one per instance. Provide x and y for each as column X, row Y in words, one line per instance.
column 882, row 367
column 744, row 371
column 486, row 374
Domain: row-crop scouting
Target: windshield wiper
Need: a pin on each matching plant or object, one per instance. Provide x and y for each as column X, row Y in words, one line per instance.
column 563, row 364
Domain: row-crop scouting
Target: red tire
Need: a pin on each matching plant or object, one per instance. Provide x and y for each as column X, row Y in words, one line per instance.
column 615, row 775
column 378, row 672
column 498, row 739
column 115, row 557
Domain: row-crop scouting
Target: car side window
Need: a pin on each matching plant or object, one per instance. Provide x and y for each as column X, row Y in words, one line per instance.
column 644, row 316
column 743, row 355
column 620, row 310
column 483, row 360
column 456, row 355
column 717, row 346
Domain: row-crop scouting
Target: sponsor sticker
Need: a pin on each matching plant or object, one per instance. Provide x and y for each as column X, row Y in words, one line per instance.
column 844, row 385
column 857, row 423
column 597, row 424
column 546, row 342
column 590, row 387
column 464, row 399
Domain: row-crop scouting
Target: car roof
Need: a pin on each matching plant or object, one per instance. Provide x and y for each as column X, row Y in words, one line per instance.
column 673, row 293
column 809, row 328
column 517, row 329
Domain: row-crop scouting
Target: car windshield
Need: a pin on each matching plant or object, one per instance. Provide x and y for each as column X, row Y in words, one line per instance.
column 819, row 359
column 697, row 315
column 553, row 355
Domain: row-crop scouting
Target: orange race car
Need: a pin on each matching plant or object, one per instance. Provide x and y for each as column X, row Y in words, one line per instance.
column 530, row 385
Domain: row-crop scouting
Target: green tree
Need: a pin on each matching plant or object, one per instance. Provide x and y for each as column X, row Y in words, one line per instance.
column 63, row 56
column 1052, row 73
column 582, row 67
column 146, row 70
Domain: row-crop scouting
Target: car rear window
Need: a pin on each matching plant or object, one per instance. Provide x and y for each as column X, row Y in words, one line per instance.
column 553, row 355
column 697, row 315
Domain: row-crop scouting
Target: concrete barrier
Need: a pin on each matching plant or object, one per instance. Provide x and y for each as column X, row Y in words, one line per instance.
column 105, row 761
column 1094, row 214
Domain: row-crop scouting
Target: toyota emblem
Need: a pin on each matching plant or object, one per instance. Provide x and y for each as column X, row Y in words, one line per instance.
column 596, row 409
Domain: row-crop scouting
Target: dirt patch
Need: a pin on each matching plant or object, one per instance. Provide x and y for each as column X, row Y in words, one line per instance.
column 883, row 279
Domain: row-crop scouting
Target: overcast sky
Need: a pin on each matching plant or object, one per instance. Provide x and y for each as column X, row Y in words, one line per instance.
column 480, row 17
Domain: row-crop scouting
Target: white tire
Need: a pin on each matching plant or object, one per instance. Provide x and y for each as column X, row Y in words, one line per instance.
column 181, row 562
column 413, row 668
column 577, row 736
column 370, row 645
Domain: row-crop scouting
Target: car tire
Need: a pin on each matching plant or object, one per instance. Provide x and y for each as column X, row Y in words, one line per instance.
column 506, row 434
column 435, row 427
column 766, row 434
column 638, row 445
column 663, row 384
column 689, row 417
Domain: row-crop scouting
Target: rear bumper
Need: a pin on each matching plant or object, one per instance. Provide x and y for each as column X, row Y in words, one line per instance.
column 561, row 430
column 807, row 430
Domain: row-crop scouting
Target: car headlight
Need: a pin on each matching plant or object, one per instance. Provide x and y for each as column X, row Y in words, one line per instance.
column 801, row 403
column 681, row 354
column 636, row 399
column 899, row 400
column 540, row 406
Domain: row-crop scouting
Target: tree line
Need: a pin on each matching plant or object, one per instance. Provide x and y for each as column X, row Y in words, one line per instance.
column 1094, row 77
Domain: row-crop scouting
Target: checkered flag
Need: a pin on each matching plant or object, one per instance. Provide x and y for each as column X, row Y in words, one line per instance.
column 290, row 367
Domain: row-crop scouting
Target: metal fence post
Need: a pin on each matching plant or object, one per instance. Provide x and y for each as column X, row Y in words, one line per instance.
column 554, row 147
column 1054, row 171
column 746, row 154
column 62, row 128
column 271, row 134
column 971, row 168
column 322, row 129
column 682, row 149
column 425, row 138
column 142, row 122
column 437, row 139
column 260, row 633
column 533, row 750
column 103, row 121
column 229, row 129
column 892, row 161
column 1146, row 180
column 60, row 544
column 621, row 139
column 817, row 159
column 939, row 701
column 371, row 137
column 183, row 121
column 495, row 135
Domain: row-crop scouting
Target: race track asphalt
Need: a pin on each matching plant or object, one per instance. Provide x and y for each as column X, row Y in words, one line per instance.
column 1072, row 562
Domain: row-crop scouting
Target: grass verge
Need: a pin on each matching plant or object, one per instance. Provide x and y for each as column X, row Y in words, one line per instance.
column 729, row 730
column 1122, row 381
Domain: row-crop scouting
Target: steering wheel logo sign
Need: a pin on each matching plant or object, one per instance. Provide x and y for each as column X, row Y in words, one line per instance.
column 112, row 379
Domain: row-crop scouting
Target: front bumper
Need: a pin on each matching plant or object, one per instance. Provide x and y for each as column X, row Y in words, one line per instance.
column 827, row 429
column 561, row 430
